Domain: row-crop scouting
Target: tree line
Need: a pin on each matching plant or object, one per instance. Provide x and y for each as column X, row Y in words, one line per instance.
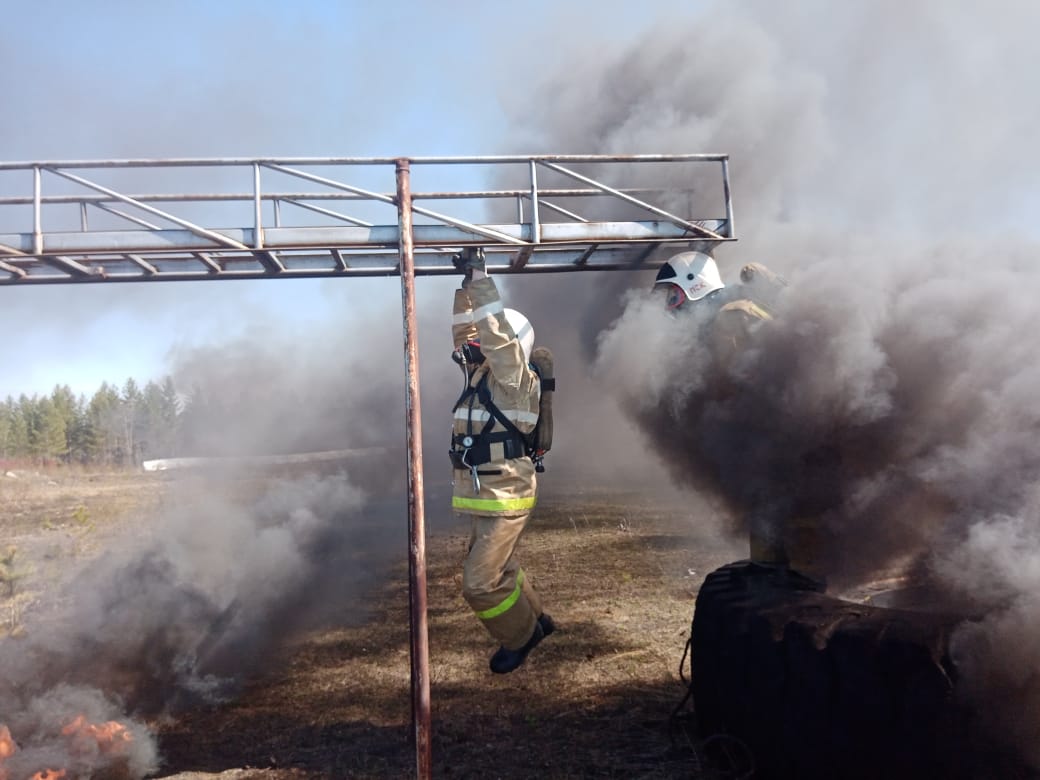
column 114, row 427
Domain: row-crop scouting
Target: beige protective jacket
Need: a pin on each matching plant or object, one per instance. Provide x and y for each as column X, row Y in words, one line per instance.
column 732, row 328
column 507, row 485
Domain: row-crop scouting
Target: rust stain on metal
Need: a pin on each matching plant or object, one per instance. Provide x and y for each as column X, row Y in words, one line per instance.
column 416, row 513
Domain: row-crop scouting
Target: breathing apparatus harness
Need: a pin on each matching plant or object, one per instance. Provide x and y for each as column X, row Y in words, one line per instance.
column 473, row 448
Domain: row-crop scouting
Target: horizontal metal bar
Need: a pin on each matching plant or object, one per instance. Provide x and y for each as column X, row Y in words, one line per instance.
column 232, row 197
column 342, row 236
column 249, row 161
column 370, row 264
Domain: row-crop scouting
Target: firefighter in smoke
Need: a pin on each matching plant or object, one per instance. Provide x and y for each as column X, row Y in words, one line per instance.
column 494, row 476
column 733, row 314
column 693, row 278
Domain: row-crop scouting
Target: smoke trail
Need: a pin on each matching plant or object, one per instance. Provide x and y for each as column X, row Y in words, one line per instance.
column 186, row 608
column 195, row 601
column 894, row 396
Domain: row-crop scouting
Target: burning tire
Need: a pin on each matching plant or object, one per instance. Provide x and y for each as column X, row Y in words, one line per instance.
column 818, row 687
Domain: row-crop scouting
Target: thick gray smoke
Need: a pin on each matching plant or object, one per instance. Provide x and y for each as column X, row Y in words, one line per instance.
column 883, row 160
column 243, row 557
column 181, row 612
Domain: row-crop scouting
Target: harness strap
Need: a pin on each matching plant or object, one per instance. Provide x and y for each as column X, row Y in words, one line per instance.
column 514, row 443
column 485, row 399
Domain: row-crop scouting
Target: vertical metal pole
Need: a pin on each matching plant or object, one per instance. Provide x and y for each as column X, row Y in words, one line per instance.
column 536, row 227
column 730, row 231
column 416, row 515
column 37, row 219
column 258, row 232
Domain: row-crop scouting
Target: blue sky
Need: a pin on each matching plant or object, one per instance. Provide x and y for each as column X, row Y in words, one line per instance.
column 869, row 118
column 115, row 79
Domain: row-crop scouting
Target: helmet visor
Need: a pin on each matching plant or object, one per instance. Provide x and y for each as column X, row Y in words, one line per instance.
column 671, row 294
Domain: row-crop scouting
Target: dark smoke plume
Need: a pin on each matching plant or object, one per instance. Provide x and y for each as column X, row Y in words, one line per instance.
column 883, row 162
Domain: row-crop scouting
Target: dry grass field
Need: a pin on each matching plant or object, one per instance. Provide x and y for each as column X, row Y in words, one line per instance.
column 619, row 574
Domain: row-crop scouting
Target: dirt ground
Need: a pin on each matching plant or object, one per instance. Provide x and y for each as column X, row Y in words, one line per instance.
column 618, row 573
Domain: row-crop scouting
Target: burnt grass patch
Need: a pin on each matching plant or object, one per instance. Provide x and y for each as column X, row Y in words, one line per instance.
column 619, row 574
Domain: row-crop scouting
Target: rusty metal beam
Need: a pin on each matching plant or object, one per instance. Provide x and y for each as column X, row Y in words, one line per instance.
column 420, row 653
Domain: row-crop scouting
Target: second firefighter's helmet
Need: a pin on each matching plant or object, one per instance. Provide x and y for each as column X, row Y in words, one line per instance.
column 688, row 276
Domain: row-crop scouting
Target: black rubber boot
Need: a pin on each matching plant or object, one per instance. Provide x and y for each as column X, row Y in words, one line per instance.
column 547, row 624
column 504, row 660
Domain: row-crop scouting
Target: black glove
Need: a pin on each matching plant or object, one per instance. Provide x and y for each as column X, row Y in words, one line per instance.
column 470, row 258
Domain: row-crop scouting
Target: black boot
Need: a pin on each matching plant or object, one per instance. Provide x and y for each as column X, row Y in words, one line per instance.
column 547, row 624
column 505, row 660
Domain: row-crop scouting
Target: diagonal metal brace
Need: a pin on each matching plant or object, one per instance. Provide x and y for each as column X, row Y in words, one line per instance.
column 199, row 231
column 469, row 227
column 702, row 231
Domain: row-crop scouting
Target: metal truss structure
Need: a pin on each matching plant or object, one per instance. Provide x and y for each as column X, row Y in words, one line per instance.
column 237, row 218
column 79, row 222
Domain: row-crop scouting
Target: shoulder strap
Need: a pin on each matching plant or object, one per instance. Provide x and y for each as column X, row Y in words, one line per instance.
column 485, row 399
column 470, row 390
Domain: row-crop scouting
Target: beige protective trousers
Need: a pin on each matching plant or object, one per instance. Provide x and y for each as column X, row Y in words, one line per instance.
column 494, row 585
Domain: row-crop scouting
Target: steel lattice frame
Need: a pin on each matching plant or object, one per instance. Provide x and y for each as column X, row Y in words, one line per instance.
column 596, row 226
column 75, row 221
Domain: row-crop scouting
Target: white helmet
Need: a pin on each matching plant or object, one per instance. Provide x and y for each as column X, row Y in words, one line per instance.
column 523, row 329
column 688, row 276
column 470, row 354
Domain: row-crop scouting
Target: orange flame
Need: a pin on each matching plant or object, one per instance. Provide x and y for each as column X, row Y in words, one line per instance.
column 7, row 749
column 7, row 744
column 110, row 737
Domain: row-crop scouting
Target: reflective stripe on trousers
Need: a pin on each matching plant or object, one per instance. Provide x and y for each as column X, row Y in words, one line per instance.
column 507, row 602
column 464, row 504
column 493, row 583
